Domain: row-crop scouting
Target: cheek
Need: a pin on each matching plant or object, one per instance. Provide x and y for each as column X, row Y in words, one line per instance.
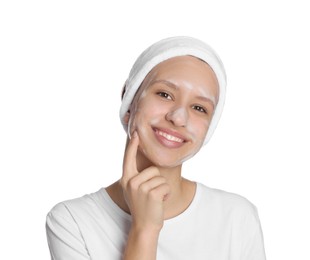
column 151, row 111
column 146, row 113
column 198, row 129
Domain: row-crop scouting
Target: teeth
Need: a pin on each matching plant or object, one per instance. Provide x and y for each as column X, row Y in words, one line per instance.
column 170, row 137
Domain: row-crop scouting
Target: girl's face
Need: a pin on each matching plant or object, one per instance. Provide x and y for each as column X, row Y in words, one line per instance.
column 172, row 110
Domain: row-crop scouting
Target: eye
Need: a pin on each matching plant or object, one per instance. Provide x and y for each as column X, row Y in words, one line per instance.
column 164, row 95
column 200, row 109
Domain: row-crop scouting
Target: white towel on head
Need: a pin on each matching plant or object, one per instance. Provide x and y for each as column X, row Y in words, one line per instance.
column 166, row 49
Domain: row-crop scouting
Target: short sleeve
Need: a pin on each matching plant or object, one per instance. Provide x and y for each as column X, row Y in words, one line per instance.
column 253, row 242
column 64, row 238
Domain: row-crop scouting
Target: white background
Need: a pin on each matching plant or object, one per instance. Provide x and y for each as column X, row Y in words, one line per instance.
column 62, row 67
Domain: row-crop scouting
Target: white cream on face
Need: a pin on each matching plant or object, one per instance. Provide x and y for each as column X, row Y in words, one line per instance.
column 206, row 94
column 155, row 121
column 190, row 79
column 178, row 116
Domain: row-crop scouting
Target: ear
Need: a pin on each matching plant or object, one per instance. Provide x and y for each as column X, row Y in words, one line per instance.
column 126, row 117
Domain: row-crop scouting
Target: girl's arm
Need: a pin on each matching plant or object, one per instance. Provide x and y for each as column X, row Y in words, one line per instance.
column 141, row 244
column 144, row 193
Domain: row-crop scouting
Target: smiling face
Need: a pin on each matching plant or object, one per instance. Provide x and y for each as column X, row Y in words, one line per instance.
column 172, row 110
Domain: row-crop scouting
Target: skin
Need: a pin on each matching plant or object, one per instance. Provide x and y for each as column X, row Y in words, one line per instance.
column 168, row 119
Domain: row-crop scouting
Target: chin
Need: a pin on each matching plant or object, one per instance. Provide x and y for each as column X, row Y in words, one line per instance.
column 166, row 161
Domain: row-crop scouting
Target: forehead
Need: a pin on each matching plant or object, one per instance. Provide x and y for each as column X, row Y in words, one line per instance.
column 183, row 61
column 184, row 71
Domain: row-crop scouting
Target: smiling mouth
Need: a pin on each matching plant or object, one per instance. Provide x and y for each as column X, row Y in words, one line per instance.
column 169, row 137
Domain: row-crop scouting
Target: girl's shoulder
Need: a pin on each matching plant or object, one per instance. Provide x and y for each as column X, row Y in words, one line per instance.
column 79, row 206
column 225, row 201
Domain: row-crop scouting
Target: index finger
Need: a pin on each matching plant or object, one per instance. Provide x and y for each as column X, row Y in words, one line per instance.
column 130, row 157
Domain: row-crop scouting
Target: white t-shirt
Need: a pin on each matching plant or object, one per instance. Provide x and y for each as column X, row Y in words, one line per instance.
column 216, row 226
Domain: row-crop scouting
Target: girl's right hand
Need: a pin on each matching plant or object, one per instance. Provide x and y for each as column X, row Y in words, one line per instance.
column 144, row 192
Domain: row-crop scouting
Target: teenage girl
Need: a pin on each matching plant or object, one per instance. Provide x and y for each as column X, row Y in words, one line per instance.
column 172, row 101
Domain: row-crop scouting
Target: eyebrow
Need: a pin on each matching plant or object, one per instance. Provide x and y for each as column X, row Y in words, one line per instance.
column 166, row 82
column 206, row 99
column 175, row 87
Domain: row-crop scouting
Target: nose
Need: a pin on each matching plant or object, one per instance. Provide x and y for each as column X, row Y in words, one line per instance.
column 178, row 116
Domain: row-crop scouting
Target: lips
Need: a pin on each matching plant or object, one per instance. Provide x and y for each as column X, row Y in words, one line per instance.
column 169, row 138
